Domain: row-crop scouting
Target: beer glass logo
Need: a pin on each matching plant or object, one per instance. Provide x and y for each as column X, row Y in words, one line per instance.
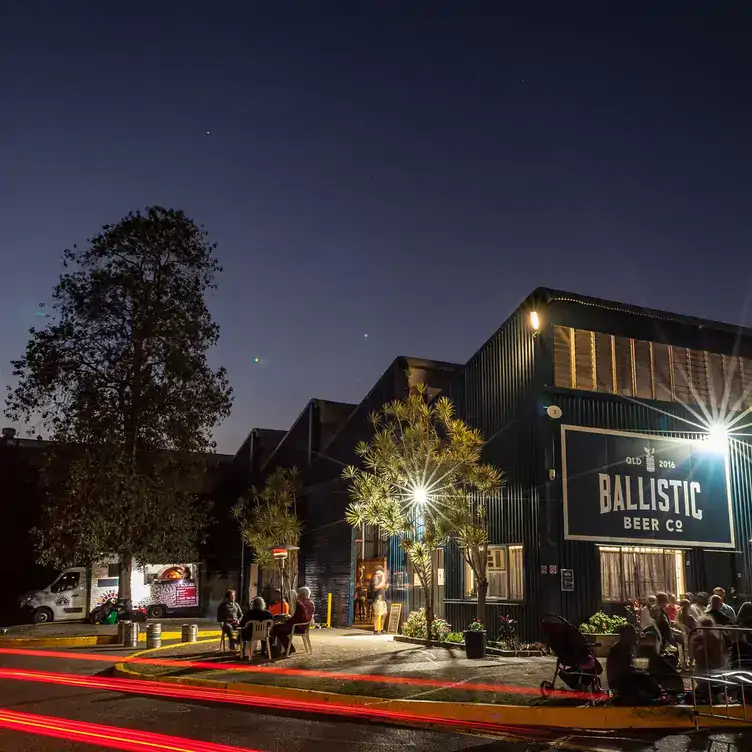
column 649, row 459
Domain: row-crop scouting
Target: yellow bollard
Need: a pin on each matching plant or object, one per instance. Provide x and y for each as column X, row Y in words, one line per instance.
column 329, row 610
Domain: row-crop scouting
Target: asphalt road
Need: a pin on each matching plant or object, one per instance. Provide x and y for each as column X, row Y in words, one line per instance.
column 246, row 728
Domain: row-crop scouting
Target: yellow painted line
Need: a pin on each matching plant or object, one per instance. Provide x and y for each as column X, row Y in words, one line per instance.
column 598, row 718
column 85, row 641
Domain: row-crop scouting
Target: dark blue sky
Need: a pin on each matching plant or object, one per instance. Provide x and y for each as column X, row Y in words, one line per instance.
column 406, row 170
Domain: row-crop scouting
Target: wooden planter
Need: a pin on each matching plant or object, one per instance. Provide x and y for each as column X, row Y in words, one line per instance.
column 603, row 643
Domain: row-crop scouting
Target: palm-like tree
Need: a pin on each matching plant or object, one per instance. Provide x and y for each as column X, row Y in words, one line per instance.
column 421, row 480
column 268, row 518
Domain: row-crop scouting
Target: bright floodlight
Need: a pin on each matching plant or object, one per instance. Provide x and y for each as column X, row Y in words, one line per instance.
column 420, row 495
column 717, row 439
column 534, row 320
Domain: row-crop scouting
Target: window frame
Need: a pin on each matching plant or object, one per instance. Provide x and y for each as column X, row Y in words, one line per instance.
column 511, row 580
column 690, row 373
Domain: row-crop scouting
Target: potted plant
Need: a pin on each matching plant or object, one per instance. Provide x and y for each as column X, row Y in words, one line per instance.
column 475, row 640
column 603, row 631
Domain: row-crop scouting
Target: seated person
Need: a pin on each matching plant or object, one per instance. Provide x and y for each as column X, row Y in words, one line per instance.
column 278, row 605
column 629, row 684
column 257, row 612
column 663, row 671
column 302, row 616
column 229, row 615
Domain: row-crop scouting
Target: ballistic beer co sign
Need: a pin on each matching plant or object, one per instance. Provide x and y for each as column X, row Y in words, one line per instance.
column 634, row 488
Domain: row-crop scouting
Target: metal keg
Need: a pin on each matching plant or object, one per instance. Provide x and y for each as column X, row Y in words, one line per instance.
column 154, row 635
column 130, row 633
column 189, row 633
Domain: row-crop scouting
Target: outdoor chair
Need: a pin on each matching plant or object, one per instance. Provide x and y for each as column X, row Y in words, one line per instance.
column 302, row 631
column 223, row 640
column 261, row 633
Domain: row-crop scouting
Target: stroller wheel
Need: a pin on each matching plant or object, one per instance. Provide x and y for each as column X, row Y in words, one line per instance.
column 546, row 689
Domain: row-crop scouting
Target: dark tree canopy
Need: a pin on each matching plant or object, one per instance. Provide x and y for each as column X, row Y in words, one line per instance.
column 120, row 371
column 123, row 358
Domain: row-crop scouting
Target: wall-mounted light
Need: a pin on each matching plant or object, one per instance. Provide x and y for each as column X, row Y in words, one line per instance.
column 534, row 320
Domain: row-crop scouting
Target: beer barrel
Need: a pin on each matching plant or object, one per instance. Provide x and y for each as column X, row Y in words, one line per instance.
column 154, row 635
column 130, row 633
column 189, row 633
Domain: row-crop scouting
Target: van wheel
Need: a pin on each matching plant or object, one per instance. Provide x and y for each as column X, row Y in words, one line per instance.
column 42, row 616
column 156, row 612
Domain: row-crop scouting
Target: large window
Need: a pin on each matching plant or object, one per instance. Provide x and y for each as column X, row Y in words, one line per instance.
column 598, row 362
column 506, row 574
column 638, row 572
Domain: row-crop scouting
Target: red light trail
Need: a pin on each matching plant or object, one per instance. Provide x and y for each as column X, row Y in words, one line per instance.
column 108, row 737
column 204, row 694
column 277, row 670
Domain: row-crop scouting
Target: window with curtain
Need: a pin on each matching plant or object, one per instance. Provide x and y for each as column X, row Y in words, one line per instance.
column 634, row 572
column 604, row 364
column 662, row 372
column 643, row 368
column 584, row 359
column 623, row 362
column 506, row 574
column 563, row 357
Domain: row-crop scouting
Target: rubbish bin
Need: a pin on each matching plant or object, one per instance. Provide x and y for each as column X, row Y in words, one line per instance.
column 154, row 635
column 130, row 633
column 190, row 633
column 475, row 644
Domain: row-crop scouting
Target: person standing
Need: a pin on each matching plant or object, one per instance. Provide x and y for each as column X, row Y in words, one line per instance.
column 229, row 615
column 724, row 607
column 379, row 614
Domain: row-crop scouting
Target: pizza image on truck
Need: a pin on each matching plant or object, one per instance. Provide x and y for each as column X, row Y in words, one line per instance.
column 160, row 589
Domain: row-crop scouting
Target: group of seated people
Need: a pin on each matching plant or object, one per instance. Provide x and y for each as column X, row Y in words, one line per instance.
column 667, row 626
column 236, row 624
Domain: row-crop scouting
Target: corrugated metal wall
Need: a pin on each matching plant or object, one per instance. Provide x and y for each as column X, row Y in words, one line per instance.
column 326, row 550
column 496, row 394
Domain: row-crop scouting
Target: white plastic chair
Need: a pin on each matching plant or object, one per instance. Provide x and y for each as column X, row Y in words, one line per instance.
column 262, row 634
column 305, row 637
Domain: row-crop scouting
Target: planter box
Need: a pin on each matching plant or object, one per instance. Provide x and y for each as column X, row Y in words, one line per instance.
column 461, row 646
column 603, row 643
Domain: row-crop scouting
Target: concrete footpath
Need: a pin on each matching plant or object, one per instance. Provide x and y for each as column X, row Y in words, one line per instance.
column 359, row 663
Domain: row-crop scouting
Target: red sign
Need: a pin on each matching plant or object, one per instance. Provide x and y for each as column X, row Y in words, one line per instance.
column 186, row 595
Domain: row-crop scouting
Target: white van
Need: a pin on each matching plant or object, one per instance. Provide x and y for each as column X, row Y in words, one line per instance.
column 161, row 589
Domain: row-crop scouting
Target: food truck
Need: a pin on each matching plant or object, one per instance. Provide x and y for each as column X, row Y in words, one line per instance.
column 161, row 589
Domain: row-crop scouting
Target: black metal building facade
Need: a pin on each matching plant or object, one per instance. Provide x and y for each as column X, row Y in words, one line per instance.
column 609, row 367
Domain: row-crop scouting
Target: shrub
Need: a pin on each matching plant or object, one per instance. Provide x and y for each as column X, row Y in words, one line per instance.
column 415, row 626
column 508, row 638
column 476, row 626
column 601, row 623
column 454, row 637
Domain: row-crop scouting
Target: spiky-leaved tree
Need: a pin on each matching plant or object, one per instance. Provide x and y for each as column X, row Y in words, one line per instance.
column 268, row 518
column 418, row 474
column 120, row 372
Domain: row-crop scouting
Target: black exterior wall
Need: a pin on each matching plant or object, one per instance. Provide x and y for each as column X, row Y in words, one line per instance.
column 504, row 390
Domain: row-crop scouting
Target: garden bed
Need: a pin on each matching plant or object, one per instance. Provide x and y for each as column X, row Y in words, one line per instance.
column 461, row 646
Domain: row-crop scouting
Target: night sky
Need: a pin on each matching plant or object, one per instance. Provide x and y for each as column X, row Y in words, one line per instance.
column 404, row 170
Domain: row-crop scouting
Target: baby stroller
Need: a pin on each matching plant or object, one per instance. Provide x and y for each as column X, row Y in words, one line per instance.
column 576, row 664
